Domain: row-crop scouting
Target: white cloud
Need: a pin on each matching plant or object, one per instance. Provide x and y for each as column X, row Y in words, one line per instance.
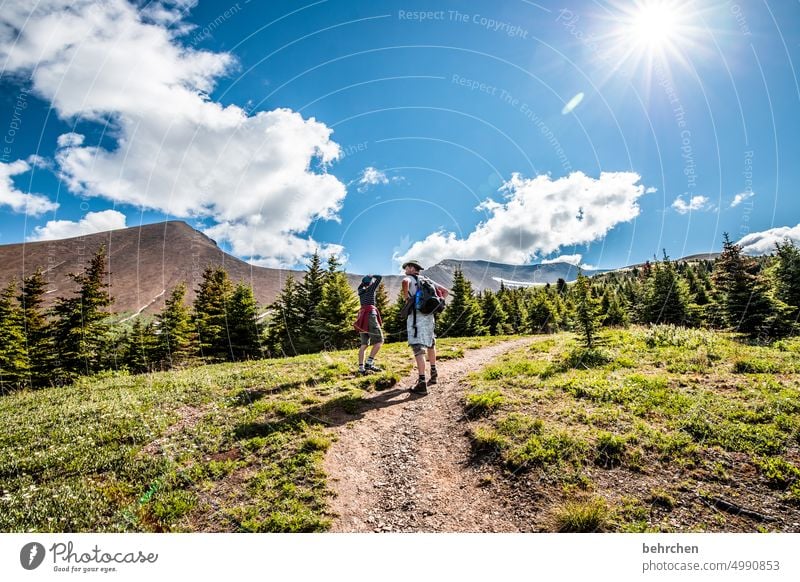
column 569, row 259
column 650, row 190
column 371, row 177
column 91, row 223
column 260, row 177
column 763, row 243
column 741, row 197
column 695, row 203
column 539, row 216
column 30, row 204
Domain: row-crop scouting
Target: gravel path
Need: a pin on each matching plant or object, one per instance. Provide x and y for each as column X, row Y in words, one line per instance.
column 404, row 465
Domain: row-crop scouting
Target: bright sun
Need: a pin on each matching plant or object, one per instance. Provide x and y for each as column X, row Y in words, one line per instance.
column 654, row 24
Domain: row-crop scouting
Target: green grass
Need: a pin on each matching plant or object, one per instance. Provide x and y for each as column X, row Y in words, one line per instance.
column 587, row 516
column 661, row 404
column 227, row 447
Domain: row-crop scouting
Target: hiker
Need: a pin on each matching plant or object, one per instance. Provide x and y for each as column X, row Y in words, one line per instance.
column 421, row 319
column 369, row 324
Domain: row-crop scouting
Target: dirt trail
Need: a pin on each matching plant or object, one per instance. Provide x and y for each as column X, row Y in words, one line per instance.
column 403, row 466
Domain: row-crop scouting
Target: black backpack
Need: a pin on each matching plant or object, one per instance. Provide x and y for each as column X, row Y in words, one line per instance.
column 426, row 300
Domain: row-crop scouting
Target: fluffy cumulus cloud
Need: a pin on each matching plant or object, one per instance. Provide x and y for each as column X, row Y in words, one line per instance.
column 92, row 222
column 694, row 204
column 741, row 197
column 539, row 216
column 763, row 243
column 18, row 201
column 260, row 179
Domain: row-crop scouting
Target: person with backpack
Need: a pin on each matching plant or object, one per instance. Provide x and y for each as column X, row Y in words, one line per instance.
column 368, row 324
column 425, row 299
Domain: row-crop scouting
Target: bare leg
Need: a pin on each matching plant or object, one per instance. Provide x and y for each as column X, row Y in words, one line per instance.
column 421, row 364
column 361, row 351
column 432, row 356
column 375, row 349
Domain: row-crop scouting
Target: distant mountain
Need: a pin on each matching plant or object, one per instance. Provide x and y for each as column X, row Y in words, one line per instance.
column 147, row 262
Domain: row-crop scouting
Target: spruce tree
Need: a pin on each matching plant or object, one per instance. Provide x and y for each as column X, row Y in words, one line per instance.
column 14, row 362
column 176, row 343
column 336, row 311
column 139, row 347
column 286, row 320
column 38, row 340
column 309, row 298
column 743, row 292
column 81, row 327
column 463, row 317
column 614, row 314
column 586, row 311
column 787, row 276
column 243, row 326
column 382, row 300
column 542, row 316
column 210, row 314
column 394, row 327
column 666, row 297
column 494, row 316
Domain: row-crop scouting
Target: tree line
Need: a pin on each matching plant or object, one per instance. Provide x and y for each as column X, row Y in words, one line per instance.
column 81, row 335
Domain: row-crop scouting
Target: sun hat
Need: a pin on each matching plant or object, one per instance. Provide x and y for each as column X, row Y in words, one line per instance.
column 415, row 263
column 366, row 280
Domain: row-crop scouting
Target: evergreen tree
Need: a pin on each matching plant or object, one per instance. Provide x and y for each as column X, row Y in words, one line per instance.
column 494, row 316
column 14, row 362
column 286, row 320
column 382, row 300
column 336, row 311
column 210, row 314
column 81, row 328
column 666, row 297
column 309, row 297
column 37, row 331
column 744, row 299
column 243, row 326
column 394, row 327
column 542, row 316
column 586, row 311
column 513, row 303
column 139, row 347
column 787, row 276
column 614, row 313
column 463, row 317
column 176, row 340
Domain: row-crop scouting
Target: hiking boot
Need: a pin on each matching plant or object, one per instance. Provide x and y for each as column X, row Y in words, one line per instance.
column 420, row 387
column 372, row 368
column 363, row 372
column 434, row 378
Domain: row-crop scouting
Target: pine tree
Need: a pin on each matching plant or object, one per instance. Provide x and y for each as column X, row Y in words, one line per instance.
column 176, row 337
column 494, row 316
column 382, row 300
column 336, row 311
column 210, row 314
column 139, row 347
column 586, row 311
column 81, row 327
column 38, row 340
column 463, row 317
column 394, row 327
column 309, row 297
column 243, row 326
column 614, row 314
column 513, row 303
column 787, row 276
column 743, row 292
column 542, row 316
column 666, row 298
column 14, row 363
column 286, row 320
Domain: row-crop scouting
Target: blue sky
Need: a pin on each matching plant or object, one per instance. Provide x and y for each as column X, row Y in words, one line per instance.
column 511, row 131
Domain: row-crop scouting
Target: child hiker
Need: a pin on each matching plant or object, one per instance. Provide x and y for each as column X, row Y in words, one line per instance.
column 368, row 324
